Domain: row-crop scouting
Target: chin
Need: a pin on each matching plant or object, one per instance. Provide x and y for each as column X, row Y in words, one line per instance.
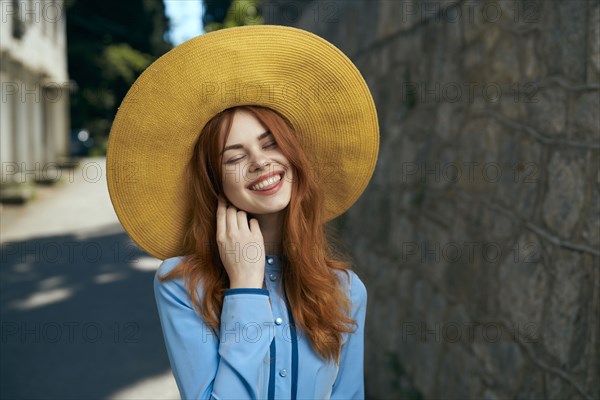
column 257, row 208
column 268, row 210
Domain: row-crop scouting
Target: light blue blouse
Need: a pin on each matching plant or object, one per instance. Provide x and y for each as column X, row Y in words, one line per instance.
column 259, row 354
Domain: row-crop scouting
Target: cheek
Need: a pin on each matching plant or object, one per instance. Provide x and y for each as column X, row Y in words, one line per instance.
column 233, row 181
column 290, row 176
column 230, row 189
column 236, row 175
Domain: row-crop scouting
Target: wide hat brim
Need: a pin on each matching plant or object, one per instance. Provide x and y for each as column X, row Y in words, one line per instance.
column 295, row 72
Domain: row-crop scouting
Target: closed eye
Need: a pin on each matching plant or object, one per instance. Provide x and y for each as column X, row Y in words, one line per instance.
column 270, row 144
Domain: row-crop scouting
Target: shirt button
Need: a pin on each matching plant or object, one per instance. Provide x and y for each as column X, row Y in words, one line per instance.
column 283, row 372
column 278, row 320
column 269, row 260
column 272, row 277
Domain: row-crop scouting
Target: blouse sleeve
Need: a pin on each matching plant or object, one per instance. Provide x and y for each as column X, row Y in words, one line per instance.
column 349, row 383
column 232, row 366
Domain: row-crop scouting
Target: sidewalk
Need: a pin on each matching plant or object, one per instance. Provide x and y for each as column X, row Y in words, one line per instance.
column 78, row 203
column 78, row 315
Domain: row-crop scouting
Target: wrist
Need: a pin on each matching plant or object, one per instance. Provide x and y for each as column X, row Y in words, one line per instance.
column 245, row 286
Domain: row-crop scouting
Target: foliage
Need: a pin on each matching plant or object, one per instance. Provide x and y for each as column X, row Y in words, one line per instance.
column 109, row 44
column 239, row 13
column 121, row 61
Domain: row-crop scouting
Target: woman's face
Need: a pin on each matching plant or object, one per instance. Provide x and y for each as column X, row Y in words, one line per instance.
column 254, row 155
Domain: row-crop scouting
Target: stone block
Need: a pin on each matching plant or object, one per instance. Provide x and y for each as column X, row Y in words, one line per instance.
column 523, row 283
column 564, row 308
column 564, row 199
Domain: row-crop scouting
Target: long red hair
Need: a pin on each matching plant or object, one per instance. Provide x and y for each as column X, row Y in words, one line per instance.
column 311, row 255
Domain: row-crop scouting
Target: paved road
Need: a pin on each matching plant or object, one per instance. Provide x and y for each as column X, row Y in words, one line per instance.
column 78, row 318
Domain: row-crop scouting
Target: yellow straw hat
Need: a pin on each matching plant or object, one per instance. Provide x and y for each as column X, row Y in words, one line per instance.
column 295, row 72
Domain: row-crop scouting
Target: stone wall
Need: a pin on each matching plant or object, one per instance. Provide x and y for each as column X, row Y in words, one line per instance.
column 478, row 235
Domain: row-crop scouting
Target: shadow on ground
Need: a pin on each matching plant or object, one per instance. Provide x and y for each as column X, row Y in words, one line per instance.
column 78, row 317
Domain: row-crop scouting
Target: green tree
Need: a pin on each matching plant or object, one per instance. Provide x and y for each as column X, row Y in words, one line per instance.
column 221, row 14
column 109, row 44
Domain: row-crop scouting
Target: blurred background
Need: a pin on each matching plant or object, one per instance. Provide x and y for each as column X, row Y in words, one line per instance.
column 478, row 237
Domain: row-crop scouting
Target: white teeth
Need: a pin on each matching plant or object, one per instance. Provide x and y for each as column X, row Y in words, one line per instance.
column 266, row 182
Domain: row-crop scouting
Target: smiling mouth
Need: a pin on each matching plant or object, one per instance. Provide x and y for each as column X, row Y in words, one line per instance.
column 267, row 183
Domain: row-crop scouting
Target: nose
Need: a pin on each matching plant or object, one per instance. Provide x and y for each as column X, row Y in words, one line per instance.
column 259, row 160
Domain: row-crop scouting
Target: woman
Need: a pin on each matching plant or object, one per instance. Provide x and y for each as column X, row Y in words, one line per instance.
column 253, row 301
column 233, row 363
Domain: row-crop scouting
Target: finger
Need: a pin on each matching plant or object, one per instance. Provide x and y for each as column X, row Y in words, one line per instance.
column 255, row 227
column 242, row 221
column 231, row 224
column 221, row 214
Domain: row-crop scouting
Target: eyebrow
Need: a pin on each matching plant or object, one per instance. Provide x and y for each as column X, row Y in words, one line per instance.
column 239, row 146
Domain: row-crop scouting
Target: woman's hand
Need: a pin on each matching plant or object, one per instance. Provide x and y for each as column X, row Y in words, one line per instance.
column 241, row 247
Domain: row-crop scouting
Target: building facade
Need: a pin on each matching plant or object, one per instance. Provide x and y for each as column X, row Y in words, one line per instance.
column 34, row 112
